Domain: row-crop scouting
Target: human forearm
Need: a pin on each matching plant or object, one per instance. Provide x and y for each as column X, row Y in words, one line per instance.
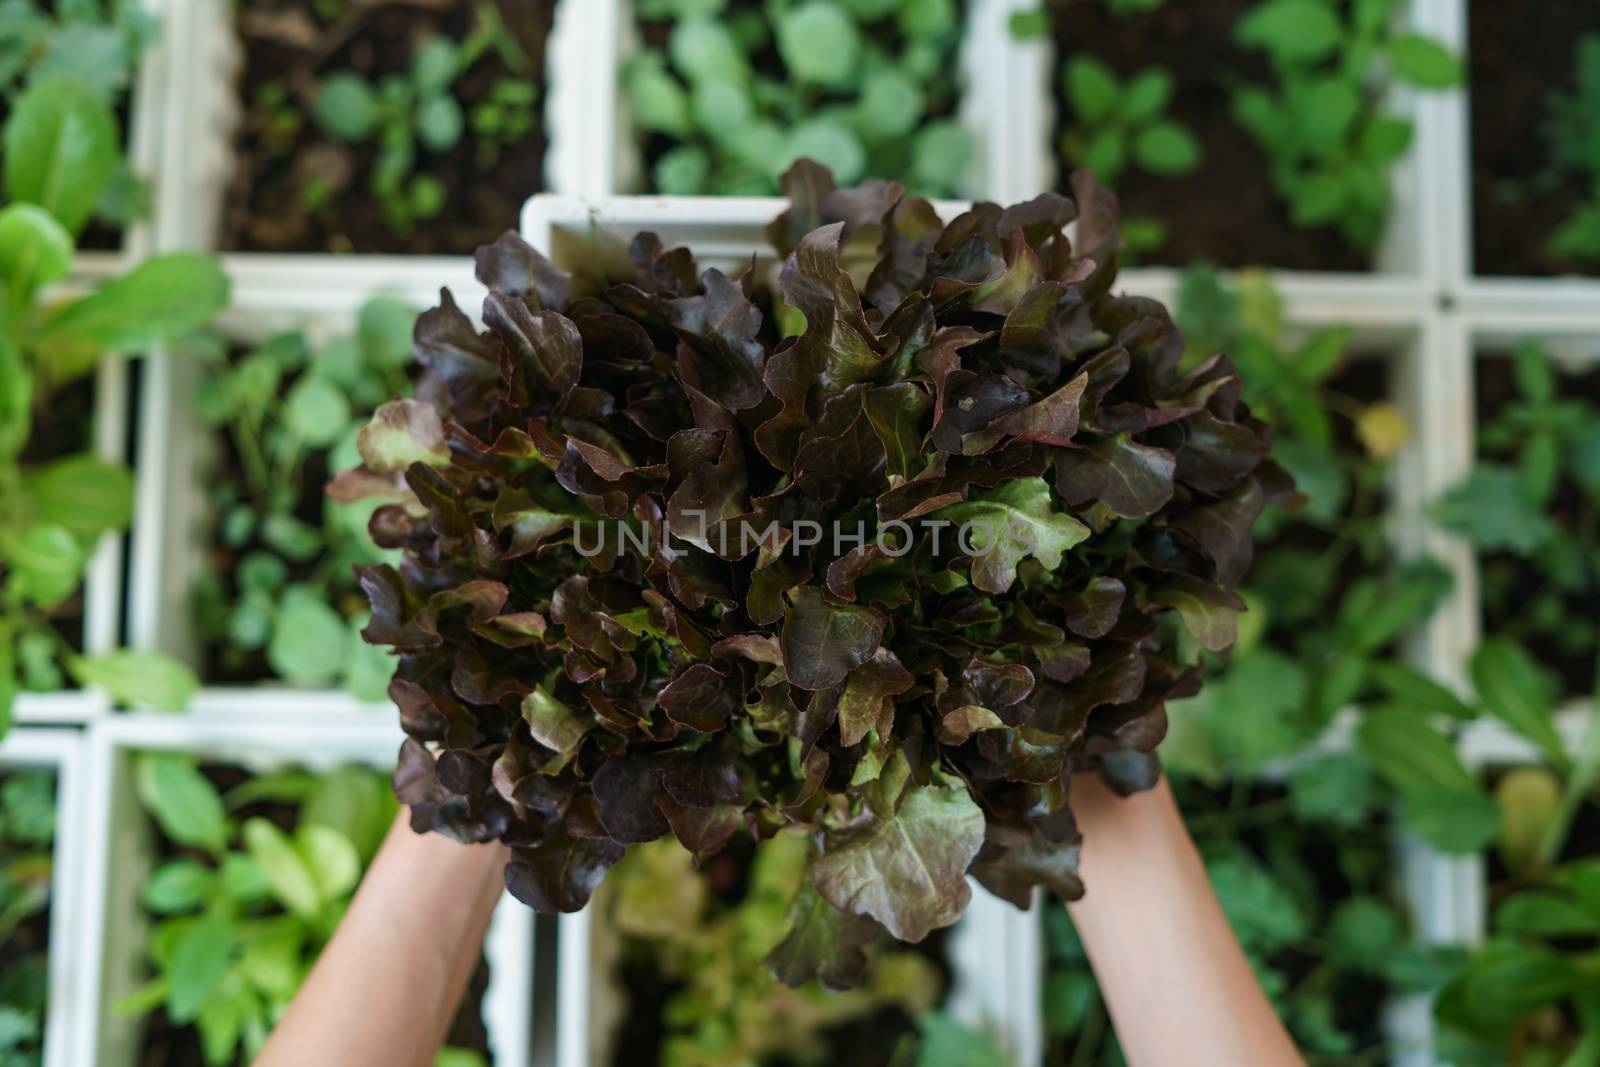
column 1174, row 977
column 385, row 989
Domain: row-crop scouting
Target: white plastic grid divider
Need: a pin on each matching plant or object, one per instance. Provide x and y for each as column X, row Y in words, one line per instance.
column 61, row 753
column 121, row 854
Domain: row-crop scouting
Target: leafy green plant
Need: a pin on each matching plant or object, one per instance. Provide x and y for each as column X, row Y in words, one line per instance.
column 252, row 882
column 403, row 116
column 1326, row 603
column 27, row 830
column 681, row 930
column 280, row 595
column 60, row 153
column 1121, row 123
column 1531, row 507
column 907, row 704
column 743, row 88
column 1322, row 122
column 1572, row 133
column 96, row 42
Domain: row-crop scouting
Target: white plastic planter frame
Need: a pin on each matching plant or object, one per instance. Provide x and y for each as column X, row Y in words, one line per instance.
column 112, row 925
column 61, row 753
column 594, row 145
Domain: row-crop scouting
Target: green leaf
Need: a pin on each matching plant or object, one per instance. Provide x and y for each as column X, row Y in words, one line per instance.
column 384, row 327
column 439, row 123
column 1292, row 31
column 1092, row 89
column 316, row 411
column 947, row 1042
column 891, row 104
column 182, row 801
column 1546, row 913
column 940, row 154
column 703, row 49
column 1491, row 509
column 552, row 723
column 35, row 250
column 85, row 494
column 1385, row 139
column 1508, row 980
column 1327, row 108
column 309, row 639
column 139, row 679
column 908, row 869
column 292, row 881
column 1363, row 932
column 1411, row 755
column 45, row 561
column 1167, row 149
column 819, row 44
column 161, row 299
column 199, row 961
column 347, row 108
column 1425, row 62
column 1147, row 95
column 435, row 65
column 332, row 859
column 178, row 886
column 1006, row 525
column 355, row 803
column 60, row 149
column 1411, row 688
column 1515, row 691
column 1456, row 823
column 656, row 99
column 831, row 143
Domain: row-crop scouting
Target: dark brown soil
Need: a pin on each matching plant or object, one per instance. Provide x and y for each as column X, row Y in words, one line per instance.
column 264, row 211
column 1518, row 55
column 1512, row 589
column 166, row 1044
column 1225, row 212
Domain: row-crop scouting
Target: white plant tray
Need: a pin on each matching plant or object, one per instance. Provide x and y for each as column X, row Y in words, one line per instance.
column 120, row 855
column 60, row 752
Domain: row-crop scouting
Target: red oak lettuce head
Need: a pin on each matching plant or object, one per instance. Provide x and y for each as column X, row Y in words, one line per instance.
column 1046, row 495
